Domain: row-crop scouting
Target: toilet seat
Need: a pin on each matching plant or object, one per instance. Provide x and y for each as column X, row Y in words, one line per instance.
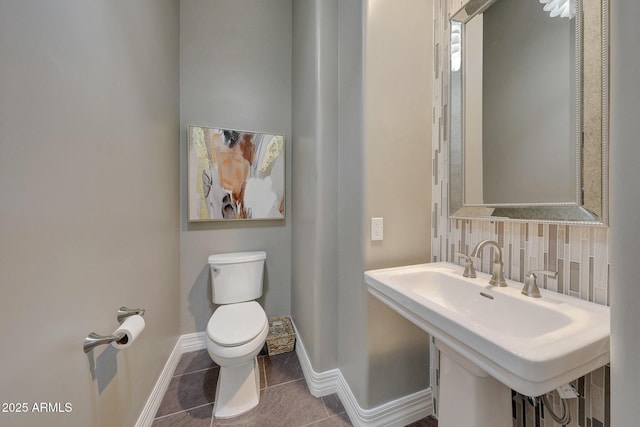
column 236, row 324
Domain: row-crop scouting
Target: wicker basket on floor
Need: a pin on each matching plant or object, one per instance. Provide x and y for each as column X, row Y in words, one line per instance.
column 282, row 336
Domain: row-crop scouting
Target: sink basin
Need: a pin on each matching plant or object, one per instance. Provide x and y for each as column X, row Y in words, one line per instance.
column 532, row 345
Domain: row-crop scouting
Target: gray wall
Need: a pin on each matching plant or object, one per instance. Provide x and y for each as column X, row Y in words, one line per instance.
column 328, row 298
column 352, row 298
column 382, row 355
column 384, row 170
column 527, row 59
column 235, row 72
column 398, row 102
column 624, row 204
column 314, row 261
column 89, row 215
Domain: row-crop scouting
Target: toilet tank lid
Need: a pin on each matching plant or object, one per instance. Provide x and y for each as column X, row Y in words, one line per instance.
column 236, row 257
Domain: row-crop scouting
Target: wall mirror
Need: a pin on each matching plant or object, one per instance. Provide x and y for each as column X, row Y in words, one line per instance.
column 528, row 110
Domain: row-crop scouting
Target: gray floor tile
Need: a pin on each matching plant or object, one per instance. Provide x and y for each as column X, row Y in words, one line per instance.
column 188, row 391
column 341, row 420
column 430, row 421
column 282, row 368
column 198, row 417
column 333, row 404
column 288, row 404
column 285, row 399
column 194, row 361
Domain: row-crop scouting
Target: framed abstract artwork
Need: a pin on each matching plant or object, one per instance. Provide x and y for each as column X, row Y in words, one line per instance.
column 234, row 175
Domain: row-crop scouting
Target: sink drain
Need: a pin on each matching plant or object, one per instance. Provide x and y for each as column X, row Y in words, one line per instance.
column 486, row 295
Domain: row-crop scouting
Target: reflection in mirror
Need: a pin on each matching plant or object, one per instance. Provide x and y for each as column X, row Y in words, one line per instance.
column 519, row 106
column 516, row 111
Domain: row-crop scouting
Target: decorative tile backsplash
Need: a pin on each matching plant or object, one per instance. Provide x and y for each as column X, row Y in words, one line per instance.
column 578, row 253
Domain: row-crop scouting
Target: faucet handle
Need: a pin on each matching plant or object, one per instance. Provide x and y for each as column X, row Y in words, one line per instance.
column 469, row 270
column 530, row 284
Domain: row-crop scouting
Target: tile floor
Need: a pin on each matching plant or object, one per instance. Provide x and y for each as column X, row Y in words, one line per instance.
column 284, row 399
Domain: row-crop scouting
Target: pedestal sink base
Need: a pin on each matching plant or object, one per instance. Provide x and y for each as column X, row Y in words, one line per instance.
column 468, row 395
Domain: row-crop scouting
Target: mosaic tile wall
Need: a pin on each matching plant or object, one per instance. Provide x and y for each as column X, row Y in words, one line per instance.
column 578, row 253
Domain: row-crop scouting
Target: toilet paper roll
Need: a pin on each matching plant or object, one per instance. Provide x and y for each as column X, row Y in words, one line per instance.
column 132, row 327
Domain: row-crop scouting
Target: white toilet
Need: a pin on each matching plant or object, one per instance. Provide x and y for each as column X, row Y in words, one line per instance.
column 237, row 330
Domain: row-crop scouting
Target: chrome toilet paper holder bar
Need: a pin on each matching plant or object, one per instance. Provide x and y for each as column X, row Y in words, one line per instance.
column 124, row 312
column 94, row 340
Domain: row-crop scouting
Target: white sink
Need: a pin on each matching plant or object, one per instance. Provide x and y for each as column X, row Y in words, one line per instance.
column 532, row 345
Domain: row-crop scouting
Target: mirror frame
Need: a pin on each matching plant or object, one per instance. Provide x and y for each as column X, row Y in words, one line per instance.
column 591, row 136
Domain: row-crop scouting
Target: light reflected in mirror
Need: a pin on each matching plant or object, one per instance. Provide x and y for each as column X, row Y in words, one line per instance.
column 516, row 111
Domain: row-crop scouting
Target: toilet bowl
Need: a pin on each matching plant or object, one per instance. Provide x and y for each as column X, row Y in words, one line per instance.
column 233, row 343
column 237, row 330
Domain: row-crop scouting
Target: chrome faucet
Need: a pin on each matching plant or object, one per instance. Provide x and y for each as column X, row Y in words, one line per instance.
column 497, row 278
column 530, row 286
column 469, row 271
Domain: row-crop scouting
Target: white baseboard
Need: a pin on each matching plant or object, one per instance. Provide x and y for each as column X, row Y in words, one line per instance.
column 318, row 383
column 193, row 342
column 185, row 344
column 398, row 412
column 157, row 393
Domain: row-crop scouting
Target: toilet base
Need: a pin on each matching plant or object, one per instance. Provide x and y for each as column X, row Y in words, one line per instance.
column 238, row 389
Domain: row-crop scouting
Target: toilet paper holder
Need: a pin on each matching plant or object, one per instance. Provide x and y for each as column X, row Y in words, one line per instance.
column 124, row 312
column 94, row 340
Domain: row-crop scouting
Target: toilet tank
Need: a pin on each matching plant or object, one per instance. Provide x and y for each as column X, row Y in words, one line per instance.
column 237, row 276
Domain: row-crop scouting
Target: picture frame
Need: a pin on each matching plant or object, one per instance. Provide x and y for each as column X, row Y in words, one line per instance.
column 235, row 175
